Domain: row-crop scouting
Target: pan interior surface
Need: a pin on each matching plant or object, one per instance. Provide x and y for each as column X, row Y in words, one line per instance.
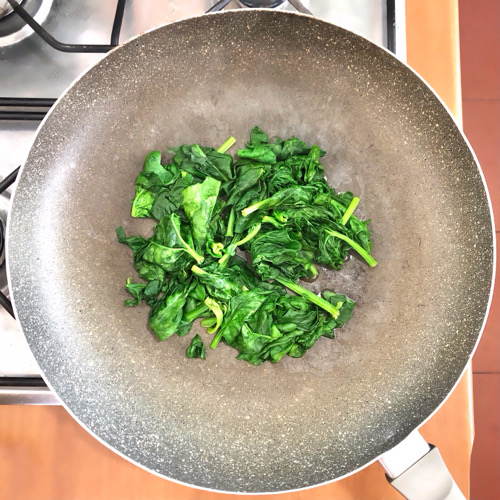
column 222, row 423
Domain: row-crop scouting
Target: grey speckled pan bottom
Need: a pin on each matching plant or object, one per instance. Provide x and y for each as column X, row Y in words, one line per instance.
column 222, row 423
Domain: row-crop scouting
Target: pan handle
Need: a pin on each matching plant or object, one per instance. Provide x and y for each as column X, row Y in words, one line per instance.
column 417, row 470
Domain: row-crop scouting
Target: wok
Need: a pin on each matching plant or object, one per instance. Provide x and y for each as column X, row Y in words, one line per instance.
column 221, row 423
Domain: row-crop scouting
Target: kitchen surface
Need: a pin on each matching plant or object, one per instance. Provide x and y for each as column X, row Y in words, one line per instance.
column 35, row 438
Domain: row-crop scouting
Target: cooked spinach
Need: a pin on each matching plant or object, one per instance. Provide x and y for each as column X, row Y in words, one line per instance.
column 198, row 202
column 232, row 239
column 196, row 349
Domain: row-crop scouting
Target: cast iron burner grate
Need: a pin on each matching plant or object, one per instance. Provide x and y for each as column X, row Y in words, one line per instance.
column 25, row 16
column 4, row 185
column 28, row 19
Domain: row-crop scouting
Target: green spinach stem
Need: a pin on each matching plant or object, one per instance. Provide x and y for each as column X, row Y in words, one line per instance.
column 217, row 248
column 251, row 233
column 223, row 260
column 196, row 256
column 232, row 247
column 273, row 221
column 350, row 209
column 198, row 270
column 230, row 223
column 310, row 296
column 198, row 151
column 217, row 310
column 252, row 208
column 369, row 259
column 226, row 145
column 196, row 312
column 216, row 339
column 208, row 322
column 312, row 269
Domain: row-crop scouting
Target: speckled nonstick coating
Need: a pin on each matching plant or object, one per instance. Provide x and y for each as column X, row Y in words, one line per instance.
column 222, row 423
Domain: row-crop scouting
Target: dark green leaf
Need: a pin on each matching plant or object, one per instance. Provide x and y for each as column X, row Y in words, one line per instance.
column 166, row 314
column 149, row 271
column 142, row 202
column 346, row 308
column 222, row 163
column 263, row 153
column 360, row 232
column 136, row 290
column 279, row 252
column 298, row 196
column 248, row 176
column 169, row 199
column 169, row 259
column 154, row 173
column 196, row 349
column 136, row 243
column 198, row 202
column 218, row 283
column 194, row 160
column 257, row 136
column 240, row 308
column 143, row 291
column 293, row 147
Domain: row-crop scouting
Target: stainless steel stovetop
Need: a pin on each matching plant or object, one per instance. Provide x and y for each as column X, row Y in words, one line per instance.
column 32, row 69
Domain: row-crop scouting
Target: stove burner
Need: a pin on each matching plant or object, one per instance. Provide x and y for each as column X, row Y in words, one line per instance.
column 12, row 27
column 5, row 8
column 264, row 4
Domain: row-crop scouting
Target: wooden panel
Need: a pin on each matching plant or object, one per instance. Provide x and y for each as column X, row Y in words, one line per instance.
column 485, row 468
column 433, row 47
column 480, row 48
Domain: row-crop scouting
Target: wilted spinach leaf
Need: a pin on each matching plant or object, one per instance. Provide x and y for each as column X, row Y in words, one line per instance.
column 166, row 314
column 196, row 349
column 198, row 202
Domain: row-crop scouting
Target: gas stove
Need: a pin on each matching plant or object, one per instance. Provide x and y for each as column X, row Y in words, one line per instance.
column 46, row 44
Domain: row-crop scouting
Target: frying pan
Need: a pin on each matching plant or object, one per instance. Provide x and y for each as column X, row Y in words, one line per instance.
column 223, row 424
